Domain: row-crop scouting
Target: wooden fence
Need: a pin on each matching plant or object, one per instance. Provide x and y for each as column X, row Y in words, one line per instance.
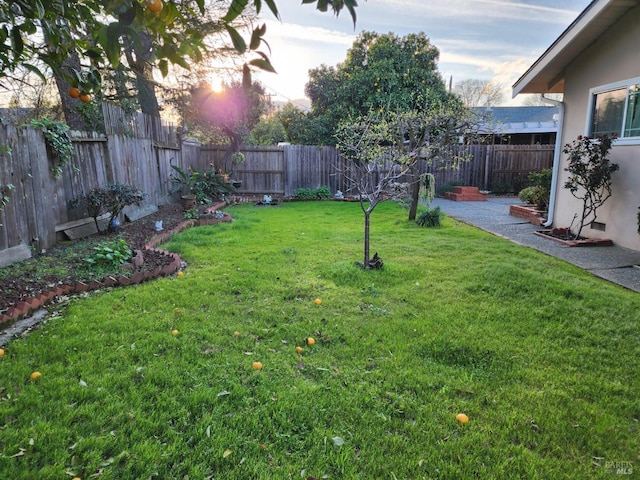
column 139, row 150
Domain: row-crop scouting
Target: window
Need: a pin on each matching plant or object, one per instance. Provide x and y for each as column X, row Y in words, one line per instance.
column 615, row 108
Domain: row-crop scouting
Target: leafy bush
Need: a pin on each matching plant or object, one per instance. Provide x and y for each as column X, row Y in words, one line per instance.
column 192, row 214
column 322, row 192
column 431, row 217
column 206, row 186
column 535, row 195
column 319, row 193
column 111, row 254
column 538, row 193
column 112, row 200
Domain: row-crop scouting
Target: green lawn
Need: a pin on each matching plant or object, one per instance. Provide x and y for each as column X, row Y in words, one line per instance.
column 541, row 356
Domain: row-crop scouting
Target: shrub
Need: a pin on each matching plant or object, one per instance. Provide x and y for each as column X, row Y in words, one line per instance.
column 322, row 192
column 534, row 196
column 590, row 174
column 206, row 186
column 431, row 217
column 112, row 253
column 112, row 200
column 312, row 194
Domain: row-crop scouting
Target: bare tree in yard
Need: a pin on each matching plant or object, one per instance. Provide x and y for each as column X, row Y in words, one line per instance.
column 375, row 168
column 479, row 93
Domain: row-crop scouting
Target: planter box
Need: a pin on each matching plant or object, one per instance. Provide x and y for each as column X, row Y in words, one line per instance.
column 561, row 235
column 466, row 194
column 529, row 213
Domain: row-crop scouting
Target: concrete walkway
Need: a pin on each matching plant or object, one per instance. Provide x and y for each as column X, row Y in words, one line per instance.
column 615, row 264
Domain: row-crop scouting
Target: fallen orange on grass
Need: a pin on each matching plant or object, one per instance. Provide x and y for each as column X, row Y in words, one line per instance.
column 257, row 365
column 309, row 341
column 174, row 332
column 462, row 418
column 299, row 349
column 35, row 375
column 181, row 274
column 317, row 301
column 1, row 352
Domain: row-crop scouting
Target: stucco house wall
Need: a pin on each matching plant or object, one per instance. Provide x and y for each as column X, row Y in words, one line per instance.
column 614, row 57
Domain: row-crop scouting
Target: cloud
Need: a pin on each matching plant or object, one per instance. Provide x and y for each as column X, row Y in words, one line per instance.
column 479, row 10
column 302, row 33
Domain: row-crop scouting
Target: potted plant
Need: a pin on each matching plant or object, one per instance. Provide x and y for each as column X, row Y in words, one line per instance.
column 184, row 183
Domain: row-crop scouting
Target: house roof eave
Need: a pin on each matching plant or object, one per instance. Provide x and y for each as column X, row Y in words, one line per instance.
column 546, row 75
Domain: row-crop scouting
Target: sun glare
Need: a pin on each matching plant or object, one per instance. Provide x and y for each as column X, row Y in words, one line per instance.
column 215, row 83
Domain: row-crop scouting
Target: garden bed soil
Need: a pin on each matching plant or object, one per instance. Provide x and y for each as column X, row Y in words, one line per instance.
column 565, row 237
column 21, row 289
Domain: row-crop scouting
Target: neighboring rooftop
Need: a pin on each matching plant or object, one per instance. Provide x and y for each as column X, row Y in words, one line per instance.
column 521, row 119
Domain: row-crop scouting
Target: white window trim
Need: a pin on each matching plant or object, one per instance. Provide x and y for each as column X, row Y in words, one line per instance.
column 607, row 88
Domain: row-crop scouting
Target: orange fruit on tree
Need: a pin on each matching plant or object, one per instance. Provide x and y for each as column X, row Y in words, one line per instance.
column 154, row 6
column 299, row 349
column 462, row 418
column 309, row 341
column 74, row 92
column 35, row 375
column 257, row 365
column 85, row 97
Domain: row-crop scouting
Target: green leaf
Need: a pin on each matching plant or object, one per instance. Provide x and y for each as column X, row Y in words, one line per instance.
column 128, row 17
column 263, row 64
column 16, row 40
column 35, row 70
column 40, row 8
column 163, row 66
column 274, row 9
column 238, row 42
column 236, row 8
column 256, row 36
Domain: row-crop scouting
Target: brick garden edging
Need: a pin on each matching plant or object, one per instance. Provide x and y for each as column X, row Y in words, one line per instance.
column 29, row 305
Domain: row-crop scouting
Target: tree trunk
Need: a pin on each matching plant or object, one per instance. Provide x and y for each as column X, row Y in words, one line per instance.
column 69, row 105
column 367, row 226
column 415, row 196
column 138, row 54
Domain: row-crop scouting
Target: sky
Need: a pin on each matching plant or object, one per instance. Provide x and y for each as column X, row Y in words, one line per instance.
column 496, row 40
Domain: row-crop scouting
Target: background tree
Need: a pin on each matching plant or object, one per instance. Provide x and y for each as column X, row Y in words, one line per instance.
column 479, row 93
column 380, row 71
column 226, row 117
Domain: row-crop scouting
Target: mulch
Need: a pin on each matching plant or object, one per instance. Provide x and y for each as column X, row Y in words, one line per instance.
column 137, row 234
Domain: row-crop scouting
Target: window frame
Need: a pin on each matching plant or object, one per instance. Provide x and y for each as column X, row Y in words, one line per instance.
column 635, row 140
